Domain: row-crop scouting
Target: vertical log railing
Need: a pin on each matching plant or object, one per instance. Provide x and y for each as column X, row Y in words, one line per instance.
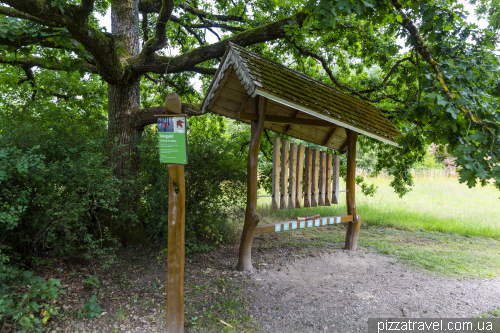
column 251, row 217
column 328, row 196
column 284, row 173
column 351, row 239
column 335, row 179
column 322, row 179
column 276, row 173
column 308, row 177
column 315, row 175
column 300, row 174
column 292, row 176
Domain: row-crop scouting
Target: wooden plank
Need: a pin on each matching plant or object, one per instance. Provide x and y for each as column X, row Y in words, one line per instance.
column 328, row 190
column 290, row 127
column 231, row 105
column 334, row 132
column 228, row 104
column 292, row 176
column 276, row 174
column 176, row 249
column 220, row 88
column 322, row 178
column 315, row 176
column 233, row 95
column 296, row 225
column 244, row 106
column 235, row 84
column 300, row 174
column 335, row 179
column 284, row 173
column 308, row 178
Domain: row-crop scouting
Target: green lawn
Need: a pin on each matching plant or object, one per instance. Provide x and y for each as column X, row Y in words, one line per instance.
column 436, row 203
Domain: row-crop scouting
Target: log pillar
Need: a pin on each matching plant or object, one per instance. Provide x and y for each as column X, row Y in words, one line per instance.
column 251, row 217
column 176, row 251
column 351, row 238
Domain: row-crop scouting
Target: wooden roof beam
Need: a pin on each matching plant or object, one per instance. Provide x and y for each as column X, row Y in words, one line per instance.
column 333, row 132
column 285, row 120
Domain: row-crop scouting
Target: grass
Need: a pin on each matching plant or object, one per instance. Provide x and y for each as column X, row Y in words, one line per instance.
column 441, row 226
column 436, row 203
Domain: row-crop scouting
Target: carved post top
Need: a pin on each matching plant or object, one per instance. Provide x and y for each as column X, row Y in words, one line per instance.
column 173, row 103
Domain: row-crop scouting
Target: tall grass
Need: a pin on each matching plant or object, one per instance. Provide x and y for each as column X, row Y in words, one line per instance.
column 437, row 203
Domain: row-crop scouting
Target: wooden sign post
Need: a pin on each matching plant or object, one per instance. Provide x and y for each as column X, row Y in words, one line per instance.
column 171, row 151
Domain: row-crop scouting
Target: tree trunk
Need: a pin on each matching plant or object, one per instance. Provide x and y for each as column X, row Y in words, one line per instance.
column 123, row 136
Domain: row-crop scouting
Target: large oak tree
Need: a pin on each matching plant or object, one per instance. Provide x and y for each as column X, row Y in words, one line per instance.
column 444, row 88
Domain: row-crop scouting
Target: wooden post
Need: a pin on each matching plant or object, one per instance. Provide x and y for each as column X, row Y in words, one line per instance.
column 293, row 176
column 328, row 190
column 322, row 178
column 175, row 244
column 276, row 173
column 251, row 217
column 351, row 238
column 308, row 171
column 300, row 174
column 335, row 179
column 284, row 173
column 315, row 175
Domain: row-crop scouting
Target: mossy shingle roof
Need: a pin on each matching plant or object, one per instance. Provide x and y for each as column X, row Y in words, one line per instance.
column 262, row 76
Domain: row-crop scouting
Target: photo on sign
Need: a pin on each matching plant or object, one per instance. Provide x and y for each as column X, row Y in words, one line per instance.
column 179, row 124
column 166, row 124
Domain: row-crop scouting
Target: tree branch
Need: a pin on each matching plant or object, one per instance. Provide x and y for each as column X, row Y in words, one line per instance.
column 51, row 65
column 147, row 116
column 189, row 60
column 150, row 6
column 366, row 91
column 160, row 38
column 423, row 50
column 8, row 11
column 344, row 86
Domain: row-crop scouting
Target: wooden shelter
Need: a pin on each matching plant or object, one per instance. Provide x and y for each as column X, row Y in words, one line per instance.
column 256, row 90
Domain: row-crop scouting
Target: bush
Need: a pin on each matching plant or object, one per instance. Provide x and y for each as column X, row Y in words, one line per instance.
column 30, row 306
column 215, row 184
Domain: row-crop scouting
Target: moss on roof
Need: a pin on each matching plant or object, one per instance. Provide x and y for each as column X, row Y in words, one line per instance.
column 301, row 89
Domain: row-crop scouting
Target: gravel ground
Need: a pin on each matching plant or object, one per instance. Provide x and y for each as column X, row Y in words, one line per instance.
column 338, row 291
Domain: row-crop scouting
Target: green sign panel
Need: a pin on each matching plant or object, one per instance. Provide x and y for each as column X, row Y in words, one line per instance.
column 172, row 139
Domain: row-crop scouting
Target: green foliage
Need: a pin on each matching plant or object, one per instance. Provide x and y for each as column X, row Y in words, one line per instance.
column 215, row 184
column 92, row 281
column 30, row 307
column 91, row 309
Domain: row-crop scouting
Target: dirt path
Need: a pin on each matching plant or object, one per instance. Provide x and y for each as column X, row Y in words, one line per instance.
column 338, row 291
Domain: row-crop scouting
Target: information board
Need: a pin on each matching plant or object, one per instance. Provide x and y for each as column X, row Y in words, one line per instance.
column 172, row 139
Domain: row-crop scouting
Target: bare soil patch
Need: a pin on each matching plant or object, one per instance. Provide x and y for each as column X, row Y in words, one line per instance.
column 301, row 284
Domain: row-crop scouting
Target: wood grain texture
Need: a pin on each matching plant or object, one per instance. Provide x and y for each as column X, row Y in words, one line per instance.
column 335, row 179
column 328, row 190
column 285, row 149
column 308, row 177
column 300, row 176
column 251, row 217
column 351, row 239
column 176, row 250
column 292, row 179
column 322, row 178
column 275, row 201
column 315, row 178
